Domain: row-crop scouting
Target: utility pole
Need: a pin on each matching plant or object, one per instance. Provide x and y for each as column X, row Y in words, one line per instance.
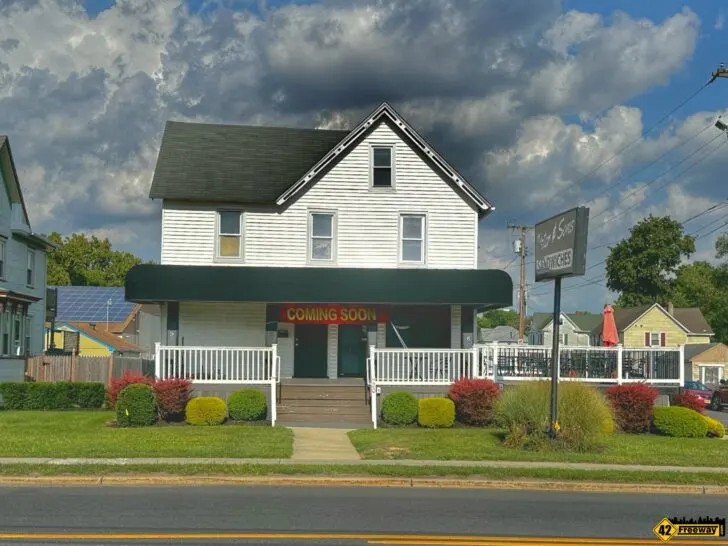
column 720, row 72
column 519, row 248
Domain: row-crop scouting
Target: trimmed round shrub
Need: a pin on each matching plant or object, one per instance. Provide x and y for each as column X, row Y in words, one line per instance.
column 206, row 410
column 474, row 400
column 716, row 429
column 172, row 396
column 689, row 400
column 399, row 408
column 584, row 416
column 435, row 412
column 247, row 405
column 129, row 377
column 632, row 405
column 136, row 406
column 679, row 422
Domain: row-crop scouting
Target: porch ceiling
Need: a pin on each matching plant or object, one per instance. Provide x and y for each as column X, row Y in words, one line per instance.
column 485, row 288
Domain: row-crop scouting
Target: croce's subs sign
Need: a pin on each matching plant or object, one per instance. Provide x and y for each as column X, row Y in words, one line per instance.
column 561, row 244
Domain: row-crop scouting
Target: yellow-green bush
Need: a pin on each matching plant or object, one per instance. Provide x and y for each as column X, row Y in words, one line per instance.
column 715, row 427
column 206, row 410
column 679, row 422
column 584, row 416
column 435, row 412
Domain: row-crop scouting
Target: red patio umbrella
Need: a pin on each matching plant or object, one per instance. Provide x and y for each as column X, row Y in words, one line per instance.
column 610, row 337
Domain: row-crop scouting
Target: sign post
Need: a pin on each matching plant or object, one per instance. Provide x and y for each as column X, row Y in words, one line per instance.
column 560, row 252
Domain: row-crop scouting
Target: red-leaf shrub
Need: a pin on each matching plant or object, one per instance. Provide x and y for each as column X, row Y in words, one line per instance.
column 474, row 400
column 172, row 396
column 129, row 377
column 689, row 400
column 632, row 405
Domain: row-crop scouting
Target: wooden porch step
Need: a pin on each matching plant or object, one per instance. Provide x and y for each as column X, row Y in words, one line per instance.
column 328, row 412
column 322, row 393
column 304, row 418
column 322, row 402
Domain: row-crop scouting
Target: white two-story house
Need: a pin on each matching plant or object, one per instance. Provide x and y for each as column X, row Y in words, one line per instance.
column 321, row 242
column 22, row 268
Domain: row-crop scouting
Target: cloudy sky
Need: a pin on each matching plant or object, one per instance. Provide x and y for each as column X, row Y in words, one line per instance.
column 543, row 105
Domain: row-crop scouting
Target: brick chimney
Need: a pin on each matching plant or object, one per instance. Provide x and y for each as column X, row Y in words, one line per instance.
column 670, row 308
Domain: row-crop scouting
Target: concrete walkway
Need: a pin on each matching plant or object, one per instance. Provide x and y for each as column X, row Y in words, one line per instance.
column 322, row 444
column 321, row 460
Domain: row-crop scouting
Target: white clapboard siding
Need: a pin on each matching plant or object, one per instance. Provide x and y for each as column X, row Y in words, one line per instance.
column 367, row 221
column 222, row 324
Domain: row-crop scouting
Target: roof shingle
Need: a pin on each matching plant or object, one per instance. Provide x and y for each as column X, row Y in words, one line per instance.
column 235, row 163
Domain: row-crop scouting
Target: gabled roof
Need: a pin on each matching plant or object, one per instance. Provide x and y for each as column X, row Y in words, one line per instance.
column 498, row 333
column 10, row 175
column 695, row 349
column 270, row 165
column 235, row 163
column 690, row 319
column 106, row 338
column 385, row 113
column 584, row 322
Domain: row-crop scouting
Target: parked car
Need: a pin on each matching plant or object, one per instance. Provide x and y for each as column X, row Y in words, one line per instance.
column 719, row 399
column 700, row 390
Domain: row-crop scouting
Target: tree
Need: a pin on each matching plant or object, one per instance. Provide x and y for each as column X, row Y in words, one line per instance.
column 642, row 267
column 87, row 261
column 498, row 317
column 703, row 285
column 721, row 247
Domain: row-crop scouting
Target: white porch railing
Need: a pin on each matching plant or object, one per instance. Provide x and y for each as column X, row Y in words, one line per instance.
column 505, row 363
column 221, row 365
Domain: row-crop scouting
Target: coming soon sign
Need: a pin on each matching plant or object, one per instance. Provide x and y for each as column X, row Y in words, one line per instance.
column 333, row 314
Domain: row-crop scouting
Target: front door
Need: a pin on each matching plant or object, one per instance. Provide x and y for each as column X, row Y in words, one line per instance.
column 310, row 350
column 352, row 350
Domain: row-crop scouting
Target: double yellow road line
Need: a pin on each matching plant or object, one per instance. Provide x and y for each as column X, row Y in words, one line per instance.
column 369, row 538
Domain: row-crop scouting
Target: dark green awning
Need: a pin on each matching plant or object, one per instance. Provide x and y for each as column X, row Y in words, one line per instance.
column 486, row 288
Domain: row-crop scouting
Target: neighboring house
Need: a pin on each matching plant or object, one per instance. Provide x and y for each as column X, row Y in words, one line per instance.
column 499, row 334
column 22, row 268
column 575, row 329
column 320, row 241
column 706, row 362
column 92, row 309
column 655, row 326
column 91, row 339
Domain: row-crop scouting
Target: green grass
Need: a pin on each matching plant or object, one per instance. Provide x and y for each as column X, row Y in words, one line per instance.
column 501, row 474
column 84, row 434
column 486, row 444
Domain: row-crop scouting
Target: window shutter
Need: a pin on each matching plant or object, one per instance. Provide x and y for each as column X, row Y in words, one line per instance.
column 647, row 339
column 662, row 339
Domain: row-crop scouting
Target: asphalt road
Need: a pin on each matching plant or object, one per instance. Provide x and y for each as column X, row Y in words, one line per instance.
column 170, row 512
column 722, row 416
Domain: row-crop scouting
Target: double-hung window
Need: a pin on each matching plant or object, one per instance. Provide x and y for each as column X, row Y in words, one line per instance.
column 2, row 258
column 322, row 233
column 412, row 235
column 382, row 167
column 655, row 339
column 30, row 269
column 229, row 234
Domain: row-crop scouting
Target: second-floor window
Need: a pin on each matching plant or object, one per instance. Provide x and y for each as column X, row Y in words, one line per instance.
column 30, row 270
column 321, row 229
column 2, row 258
column 412, row 244
column 229, row 234
column 655, row 339
column 382, row 167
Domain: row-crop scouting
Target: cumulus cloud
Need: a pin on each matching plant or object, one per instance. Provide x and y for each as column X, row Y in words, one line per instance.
column 522, row 98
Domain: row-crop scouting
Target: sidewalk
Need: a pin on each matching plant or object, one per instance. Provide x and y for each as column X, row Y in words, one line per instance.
column 353, row 462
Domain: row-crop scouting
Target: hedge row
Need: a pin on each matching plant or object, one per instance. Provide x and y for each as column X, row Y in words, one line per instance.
column 52, row 396
column 139, row 404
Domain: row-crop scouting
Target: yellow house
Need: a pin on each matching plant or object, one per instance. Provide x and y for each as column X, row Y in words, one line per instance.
column 655, row 326
column 706, row 362
column 90, row 340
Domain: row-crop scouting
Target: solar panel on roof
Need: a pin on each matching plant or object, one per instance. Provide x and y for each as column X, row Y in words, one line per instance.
column 91, row 304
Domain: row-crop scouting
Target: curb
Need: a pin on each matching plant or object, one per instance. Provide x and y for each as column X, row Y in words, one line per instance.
column 323, row 481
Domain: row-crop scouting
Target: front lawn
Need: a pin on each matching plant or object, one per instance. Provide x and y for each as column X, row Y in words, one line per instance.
column 485, row 444
column 84, row 434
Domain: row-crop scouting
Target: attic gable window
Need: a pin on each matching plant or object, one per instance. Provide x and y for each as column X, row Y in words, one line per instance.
column 382, row 167
column 229, row 234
